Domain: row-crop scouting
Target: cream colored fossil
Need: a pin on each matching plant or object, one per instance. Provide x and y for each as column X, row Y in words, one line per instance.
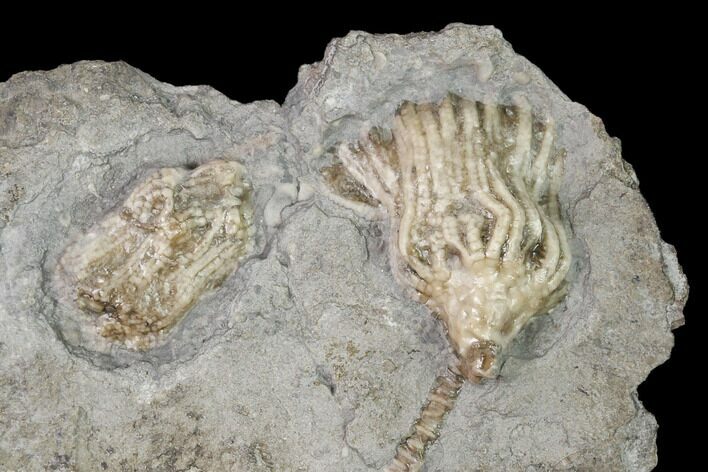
column 178, row 234
column 470, row 190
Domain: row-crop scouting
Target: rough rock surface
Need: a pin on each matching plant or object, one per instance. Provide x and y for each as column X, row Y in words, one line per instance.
column 310, row 357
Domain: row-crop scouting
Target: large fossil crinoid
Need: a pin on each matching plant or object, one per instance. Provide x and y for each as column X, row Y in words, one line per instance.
column 471, row 193
column 178, row 234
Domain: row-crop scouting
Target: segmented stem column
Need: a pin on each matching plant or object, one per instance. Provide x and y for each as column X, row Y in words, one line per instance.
column 410, row 453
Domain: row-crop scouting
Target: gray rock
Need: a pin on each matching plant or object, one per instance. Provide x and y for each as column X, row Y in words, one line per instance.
column 310, row 356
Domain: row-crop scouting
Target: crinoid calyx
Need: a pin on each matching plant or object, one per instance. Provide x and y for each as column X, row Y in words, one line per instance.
column 178, row 234
column 470, row 190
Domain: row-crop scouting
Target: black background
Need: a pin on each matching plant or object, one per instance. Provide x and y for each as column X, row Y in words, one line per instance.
column 636, row 71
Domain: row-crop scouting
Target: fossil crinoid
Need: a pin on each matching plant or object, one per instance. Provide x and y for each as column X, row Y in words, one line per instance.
column 471, row 193
column 178, row 234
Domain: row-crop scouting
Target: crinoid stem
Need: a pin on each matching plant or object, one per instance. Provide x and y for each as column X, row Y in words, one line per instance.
column 410, row 453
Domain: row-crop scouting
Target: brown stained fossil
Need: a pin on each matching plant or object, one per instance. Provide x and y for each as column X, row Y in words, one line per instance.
column 471, row 192
column 178, row 234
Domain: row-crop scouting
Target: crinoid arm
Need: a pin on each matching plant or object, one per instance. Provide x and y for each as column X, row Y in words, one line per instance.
column 471, row 192
column 178, row 234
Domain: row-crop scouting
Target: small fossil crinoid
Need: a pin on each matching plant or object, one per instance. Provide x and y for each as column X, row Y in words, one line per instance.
column 471, row 193
column 178, row 234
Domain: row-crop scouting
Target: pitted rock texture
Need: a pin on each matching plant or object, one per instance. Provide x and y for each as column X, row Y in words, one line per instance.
column 310, row 356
